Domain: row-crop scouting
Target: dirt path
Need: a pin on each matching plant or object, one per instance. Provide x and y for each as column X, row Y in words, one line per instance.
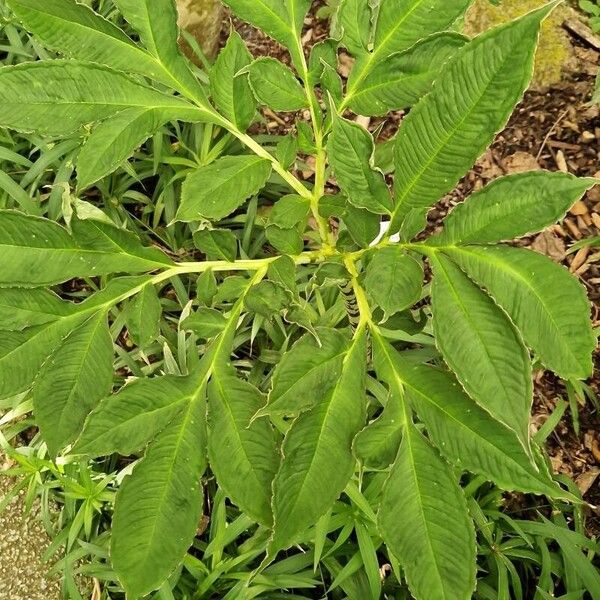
column 22, row 544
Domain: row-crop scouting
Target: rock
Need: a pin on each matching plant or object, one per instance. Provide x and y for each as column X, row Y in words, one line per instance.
column 555, row 51
column 203, row 19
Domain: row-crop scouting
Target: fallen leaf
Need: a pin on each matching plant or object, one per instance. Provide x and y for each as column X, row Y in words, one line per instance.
column 586, row 480
column 551, row 245
column 519, row 162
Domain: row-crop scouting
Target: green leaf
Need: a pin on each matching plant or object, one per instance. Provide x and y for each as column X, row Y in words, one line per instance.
column 231, row 90
column 159, row 506
column 281, row 19
column 217, row 244
column 205, row 322
column 399, row 27
column 482, row 346
column 394, row 279
column 401, row 79
column 114, row 141
column 243, row 456
column 206, row 287
column 513, row 206
column 283, row 272
column 75, row 30
column 143, row 317
column 548, row 305
column 350, row 150
column 355, row 19
column 463, row 432
column 156, row 22
column 439, row 141
column 58, row 97
column 376, row 446
column 267, row 299
column 317, row 451
column 20, row 309
column 276, row 86
column 286, row 241
column 77, row 376
column 289, row 211
column 434, row 539
column 306, row 372
column 125, row 422
column 216, row 190
column 363, row 226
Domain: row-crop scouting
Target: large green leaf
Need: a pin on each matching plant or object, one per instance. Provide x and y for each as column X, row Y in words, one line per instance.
column 513, row 206
column 243, row 456
column 400, row 26
column 546, row 303
column 159, row 506
column 115, row 140
column 394, row 279
column 230, row 90
column 77, row 375
column 441, row 138
column 216, row 190
column 306, row 372
column 156, row 22
column 402, row 78
column 77, row 31
column 276, row 86
column 151, row 537
column 317, row 451
column 482, row 346
column 350, row 150
column 281, row 19
column 20, row 309
column 463, row 432
column 39, row 252
column 125, row 422
column 425, row 523
column 57, row 97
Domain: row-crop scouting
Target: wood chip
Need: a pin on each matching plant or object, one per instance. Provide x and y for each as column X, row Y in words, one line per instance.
column 596, row 449
column 596, row 219
column 580, row 258
column 583, row 31
column 573, row 229
column 586, row 480
column 579, row 208
column 561, row 162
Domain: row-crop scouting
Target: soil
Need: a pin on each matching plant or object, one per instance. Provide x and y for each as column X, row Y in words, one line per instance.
column 553, row 129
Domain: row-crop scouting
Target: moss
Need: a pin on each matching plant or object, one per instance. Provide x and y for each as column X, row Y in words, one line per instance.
column 554, row 51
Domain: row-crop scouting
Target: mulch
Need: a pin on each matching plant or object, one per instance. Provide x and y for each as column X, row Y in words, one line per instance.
column 555, row 129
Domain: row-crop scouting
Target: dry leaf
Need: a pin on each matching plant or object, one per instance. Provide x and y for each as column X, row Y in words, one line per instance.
column 549, row 244
column 519, row 162
column 586, row 480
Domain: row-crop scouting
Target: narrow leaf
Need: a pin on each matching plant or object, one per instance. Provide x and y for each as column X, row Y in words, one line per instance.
column 125, row 422
column 401, row 79
column 440, row 140
column 243, row 456
column 150, row 537
column 75, row 30
column 434, row 539
column 58, row 97
column 77, row 376
column 143, row 317
column 350, row 150
column 482, row 346
column 513, row 206
column 317, row 452
column 546, row 303
column 231, row 90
